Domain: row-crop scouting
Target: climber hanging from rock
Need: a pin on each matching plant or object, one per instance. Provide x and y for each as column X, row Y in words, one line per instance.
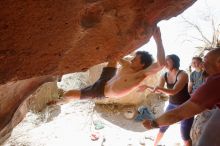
column 117, row 82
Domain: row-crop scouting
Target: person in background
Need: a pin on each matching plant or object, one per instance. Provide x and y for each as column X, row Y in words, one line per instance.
column 197, row 76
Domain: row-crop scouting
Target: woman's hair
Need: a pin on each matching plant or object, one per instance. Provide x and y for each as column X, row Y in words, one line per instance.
column 175, row 59
column 197, row 58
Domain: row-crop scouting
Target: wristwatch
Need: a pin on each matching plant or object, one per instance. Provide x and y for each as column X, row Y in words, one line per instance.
column 154, row 124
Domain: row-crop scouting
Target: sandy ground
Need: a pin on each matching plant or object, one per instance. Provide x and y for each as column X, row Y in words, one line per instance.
column 72, row 125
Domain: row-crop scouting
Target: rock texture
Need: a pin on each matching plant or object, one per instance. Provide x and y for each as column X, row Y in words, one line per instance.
column 16, row 99
column 58, row 37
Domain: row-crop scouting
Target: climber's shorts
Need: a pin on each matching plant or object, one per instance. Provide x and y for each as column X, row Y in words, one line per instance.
column 97, row 89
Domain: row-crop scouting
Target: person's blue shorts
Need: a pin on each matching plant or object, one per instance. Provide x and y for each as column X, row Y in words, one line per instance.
column 185, row 125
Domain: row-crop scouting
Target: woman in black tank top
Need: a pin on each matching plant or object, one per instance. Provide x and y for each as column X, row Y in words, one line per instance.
column 182, row 95
column 177, row 88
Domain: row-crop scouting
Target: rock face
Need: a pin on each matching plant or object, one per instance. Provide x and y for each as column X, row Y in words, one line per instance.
column 58, row 37
column 17, row 98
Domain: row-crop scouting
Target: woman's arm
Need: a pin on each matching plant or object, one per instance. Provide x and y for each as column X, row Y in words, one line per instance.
column 182, row 79
column 150, row 88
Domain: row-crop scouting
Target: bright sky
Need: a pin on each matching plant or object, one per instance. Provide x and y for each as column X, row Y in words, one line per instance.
column 177, row 35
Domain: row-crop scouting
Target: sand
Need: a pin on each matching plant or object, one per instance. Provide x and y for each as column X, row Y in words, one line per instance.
column 72, row 125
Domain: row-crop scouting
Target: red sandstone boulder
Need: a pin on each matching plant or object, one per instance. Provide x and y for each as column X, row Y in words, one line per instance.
column 58, row 37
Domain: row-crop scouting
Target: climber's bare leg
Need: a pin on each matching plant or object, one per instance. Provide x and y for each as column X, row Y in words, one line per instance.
column 68, row 96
